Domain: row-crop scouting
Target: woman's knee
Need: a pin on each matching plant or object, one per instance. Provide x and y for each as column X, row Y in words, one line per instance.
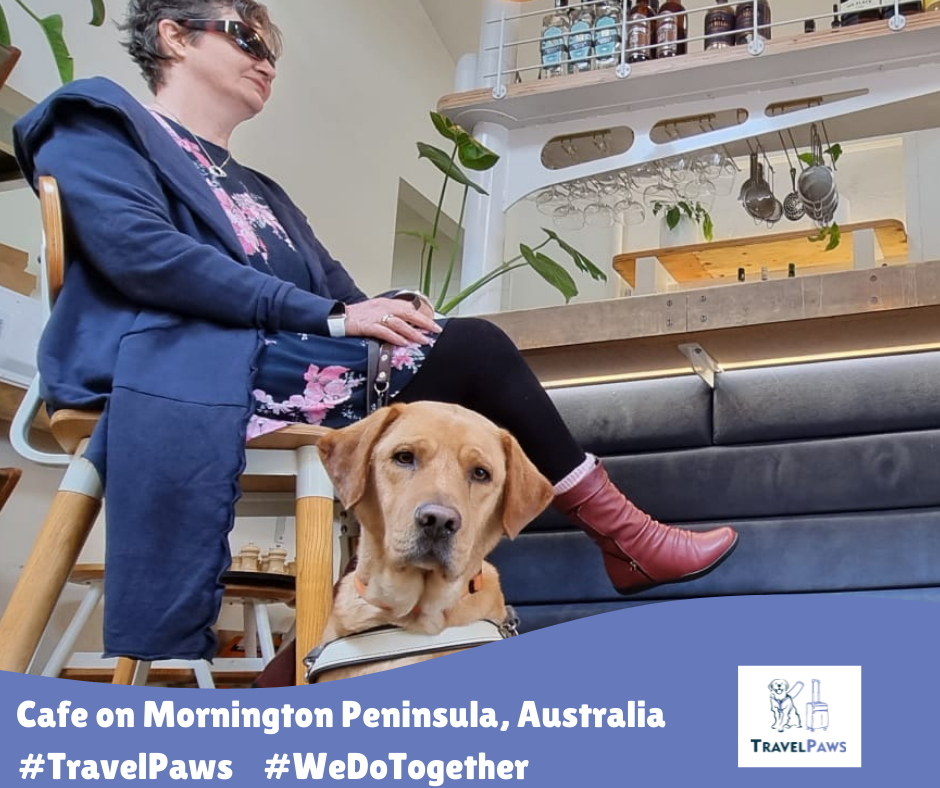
column 478, row 332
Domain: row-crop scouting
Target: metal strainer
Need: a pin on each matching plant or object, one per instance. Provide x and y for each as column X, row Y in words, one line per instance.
column 793, row 207
column 817, row 185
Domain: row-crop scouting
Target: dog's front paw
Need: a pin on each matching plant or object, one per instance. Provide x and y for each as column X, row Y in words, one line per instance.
column 429, row 622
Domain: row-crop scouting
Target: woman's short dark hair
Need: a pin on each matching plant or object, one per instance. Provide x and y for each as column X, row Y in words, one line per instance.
column 143, row 35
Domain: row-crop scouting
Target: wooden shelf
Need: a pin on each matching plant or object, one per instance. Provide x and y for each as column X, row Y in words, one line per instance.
column 721, row 260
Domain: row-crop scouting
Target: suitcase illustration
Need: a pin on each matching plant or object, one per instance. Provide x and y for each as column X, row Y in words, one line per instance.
column 817, row 713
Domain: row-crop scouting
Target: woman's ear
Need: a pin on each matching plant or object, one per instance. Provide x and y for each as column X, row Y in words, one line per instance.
column 173, row 39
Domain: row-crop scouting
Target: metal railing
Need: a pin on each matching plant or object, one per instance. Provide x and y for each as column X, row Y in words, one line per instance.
column 623, row 68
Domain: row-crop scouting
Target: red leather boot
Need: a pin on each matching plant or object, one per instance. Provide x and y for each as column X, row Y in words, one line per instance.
column 640, row 552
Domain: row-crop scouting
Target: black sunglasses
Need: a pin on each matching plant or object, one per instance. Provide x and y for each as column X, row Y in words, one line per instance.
column 245, row 37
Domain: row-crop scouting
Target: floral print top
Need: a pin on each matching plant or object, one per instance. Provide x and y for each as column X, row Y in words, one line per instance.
column 300, row 378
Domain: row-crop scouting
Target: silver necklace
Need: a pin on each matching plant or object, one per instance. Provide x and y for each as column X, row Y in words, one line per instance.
column 215, row 170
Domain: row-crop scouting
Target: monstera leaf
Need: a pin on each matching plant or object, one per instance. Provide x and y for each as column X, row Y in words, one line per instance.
column 53, row 29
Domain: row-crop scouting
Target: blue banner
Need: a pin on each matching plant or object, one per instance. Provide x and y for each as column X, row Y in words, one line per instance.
column 697, row 692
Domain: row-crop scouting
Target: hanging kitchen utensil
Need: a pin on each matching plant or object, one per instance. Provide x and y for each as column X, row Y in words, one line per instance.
column 759, row 198
column 776, row 213
column 752, row 176
column 817, row 184
column 792, row 204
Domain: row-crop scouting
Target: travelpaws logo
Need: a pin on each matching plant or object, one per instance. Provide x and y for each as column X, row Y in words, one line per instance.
column 799, row 716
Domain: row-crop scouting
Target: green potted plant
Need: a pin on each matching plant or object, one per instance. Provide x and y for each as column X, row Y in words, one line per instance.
column 683, row 211
column 475, row 156
column 52, row 27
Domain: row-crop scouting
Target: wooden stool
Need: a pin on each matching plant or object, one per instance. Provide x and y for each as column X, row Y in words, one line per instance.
column 281, row 461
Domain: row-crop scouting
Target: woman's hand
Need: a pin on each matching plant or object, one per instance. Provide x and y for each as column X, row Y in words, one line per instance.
column 392, row 320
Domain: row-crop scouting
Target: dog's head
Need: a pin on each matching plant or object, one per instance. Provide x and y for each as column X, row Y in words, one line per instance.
column 434, row 485
column 779, row 687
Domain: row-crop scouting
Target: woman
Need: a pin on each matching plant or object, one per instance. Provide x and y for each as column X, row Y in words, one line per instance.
column 199, row 307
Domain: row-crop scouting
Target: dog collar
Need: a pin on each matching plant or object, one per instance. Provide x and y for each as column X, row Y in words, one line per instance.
column 474, row 586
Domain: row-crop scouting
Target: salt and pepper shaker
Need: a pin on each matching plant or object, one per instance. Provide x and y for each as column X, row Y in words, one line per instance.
column 276, row 559
column 250, row 559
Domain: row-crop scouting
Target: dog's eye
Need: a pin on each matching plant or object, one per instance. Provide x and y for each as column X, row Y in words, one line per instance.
column 480, row 475
column 406, row 458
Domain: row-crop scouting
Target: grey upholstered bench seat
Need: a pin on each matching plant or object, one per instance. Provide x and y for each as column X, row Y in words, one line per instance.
column 829, row 471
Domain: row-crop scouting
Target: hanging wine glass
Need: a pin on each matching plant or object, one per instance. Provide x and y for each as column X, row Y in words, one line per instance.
column 629, row 212
column 598, row 214
column 547, row 200
column 568, row 217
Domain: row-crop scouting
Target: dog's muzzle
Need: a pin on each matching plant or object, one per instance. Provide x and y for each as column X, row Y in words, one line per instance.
column 436, row 522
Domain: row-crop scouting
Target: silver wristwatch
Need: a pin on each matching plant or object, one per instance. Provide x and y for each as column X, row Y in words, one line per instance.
column 336, row 320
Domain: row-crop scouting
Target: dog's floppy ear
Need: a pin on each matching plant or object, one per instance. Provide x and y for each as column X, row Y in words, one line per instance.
column 526, row 493
column 346, row 453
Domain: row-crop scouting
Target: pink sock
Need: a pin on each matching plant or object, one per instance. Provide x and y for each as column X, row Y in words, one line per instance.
column 572, row 479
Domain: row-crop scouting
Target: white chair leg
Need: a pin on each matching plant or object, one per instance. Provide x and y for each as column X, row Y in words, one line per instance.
column 250, row 637
column 141, row 670
column 263, row 626
column 66, row 644
column 204, row 678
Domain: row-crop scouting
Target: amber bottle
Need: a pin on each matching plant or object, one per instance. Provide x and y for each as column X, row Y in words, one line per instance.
column 641, row 31
column 671, row 30
column 744, row 20
column 720, row 20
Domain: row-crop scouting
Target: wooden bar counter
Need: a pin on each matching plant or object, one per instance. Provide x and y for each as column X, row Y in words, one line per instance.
column 848, row 313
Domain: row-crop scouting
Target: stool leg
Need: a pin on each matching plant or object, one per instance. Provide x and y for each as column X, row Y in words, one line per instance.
column 249, row 631
column 263, row 630
column 314, row 560
column 66, row 644
column 49, row 564
column 131, row 671
column 204, row 678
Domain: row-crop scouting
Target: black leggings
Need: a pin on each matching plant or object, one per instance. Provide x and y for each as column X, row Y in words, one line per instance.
column 476, row 365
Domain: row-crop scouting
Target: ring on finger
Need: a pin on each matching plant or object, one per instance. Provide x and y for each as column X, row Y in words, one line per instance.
column 386, row 318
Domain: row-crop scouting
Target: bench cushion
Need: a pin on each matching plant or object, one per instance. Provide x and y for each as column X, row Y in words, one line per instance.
column 831, row 398
column 835, row 552
column 638, row 416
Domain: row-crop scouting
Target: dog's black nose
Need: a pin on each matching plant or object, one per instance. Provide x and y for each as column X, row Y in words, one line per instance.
column 437, row 521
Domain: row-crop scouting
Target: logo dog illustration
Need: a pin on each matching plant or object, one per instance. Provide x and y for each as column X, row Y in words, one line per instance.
column 782, row 705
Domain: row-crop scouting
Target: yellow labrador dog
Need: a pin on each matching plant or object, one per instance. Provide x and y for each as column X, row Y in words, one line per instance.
column 433, row 486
